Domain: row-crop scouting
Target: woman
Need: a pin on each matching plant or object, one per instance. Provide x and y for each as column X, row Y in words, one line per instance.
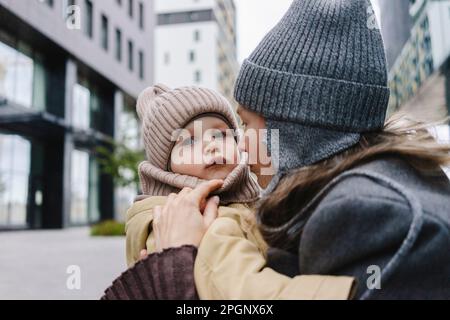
column 351, row 195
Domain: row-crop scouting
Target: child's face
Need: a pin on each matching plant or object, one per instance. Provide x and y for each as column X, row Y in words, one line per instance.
column 206, row 148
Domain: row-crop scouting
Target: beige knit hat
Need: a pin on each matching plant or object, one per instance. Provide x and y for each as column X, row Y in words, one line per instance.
column 164, row 111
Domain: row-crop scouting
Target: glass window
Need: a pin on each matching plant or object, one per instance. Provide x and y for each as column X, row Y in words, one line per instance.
column 105, row 32
column 141, row 65
column 97, row 117
column 118, row 45
column 130, row 55
column 141, row 15
column 91, row 108
column 196, row 35
column 5, row 176
column 16, row 75
column 39, row 84
column 89, row 23
column 79, row 188
column 18, row 199
column 198, row 76
column 81, row 107
column 15, row 153
column 191, row 56
column 128, row 131
column 84, row 207
column 22, row 75
column 166, row 58
column 24, row 78
column 5, row 195
column 131, row 8
column 7, row 71
column 93, row 198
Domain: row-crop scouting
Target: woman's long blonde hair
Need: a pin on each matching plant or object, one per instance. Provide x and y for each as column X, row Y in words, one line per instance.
column 401, row 136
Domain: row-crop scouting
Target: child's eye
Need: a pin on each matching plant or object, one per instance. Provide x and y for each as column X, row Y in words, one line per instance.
column 189, row 141
column 219, row 135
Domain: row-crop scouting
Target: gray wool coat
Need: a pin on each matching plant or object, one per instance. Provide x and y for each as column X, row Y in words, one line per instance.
column 383, row 223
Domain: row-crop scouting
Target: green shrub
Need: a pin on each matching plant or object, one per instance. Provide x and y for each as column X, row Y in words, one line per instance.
column 108, row 228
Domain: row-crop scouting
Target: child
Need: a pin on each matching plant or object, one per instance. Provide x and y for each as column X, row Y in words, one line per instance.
column 189, row 136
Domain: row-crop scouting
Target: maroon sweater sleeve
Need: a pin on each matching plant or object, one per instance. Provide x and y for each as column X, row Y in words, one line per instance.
column 168, row 275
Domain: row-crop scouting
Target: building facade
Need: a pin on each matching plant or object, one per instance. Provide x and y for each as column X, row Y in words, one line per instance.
column 419, row 75
column 396, row 26
column 70, row 72
column 195, row 44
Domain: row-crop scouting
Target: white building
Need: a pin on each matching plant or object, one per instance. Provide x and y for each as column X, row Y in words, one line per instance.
column 195, row 44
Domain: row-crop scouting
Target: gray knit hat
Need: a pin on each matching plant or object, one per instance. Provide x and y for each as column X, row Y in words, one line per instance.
column 320, row 77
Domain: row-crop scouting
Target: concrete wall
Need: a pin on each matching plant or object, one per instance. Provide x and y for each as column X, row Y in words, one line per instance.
column 215, row 51
column 177, row 41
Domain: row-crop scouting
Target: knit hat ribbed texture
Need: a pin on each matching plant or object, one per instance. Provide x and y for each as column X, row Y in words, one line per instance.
column 322, row 65
column 319, row 77
column 162, row 112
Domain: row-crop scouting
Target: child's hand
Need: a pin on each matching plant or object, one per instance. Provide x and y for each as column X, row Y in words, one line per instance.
column 181, row 221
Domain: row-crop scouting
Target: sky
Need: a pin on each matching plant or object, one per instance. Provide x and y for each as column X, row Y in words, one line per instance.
column 256, row 18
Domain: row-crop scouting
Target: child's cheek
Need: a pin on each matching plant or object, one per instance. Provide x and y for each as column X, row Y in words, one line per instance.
column 197, row 154
column 231, row 149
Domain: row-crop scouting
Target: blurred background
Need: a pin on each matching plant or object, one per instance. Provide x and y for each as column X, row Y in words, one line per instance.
column 70, row 73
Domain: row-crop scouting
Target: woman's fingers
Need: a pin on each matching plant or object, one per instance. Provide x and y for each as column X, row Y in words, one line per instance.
column 202, row 191
column 185, row 191
column 211, row 209
column 180, row 221
column 171, row 197
column 202, row 205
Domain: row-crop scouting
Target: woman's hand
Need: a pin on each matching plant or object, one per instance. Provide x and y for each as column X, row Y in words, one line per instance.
column 186, row 216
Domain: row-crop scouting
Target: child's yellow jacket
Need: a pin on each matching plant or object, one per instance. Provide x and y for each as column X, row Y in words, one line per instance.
column 230, row 263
